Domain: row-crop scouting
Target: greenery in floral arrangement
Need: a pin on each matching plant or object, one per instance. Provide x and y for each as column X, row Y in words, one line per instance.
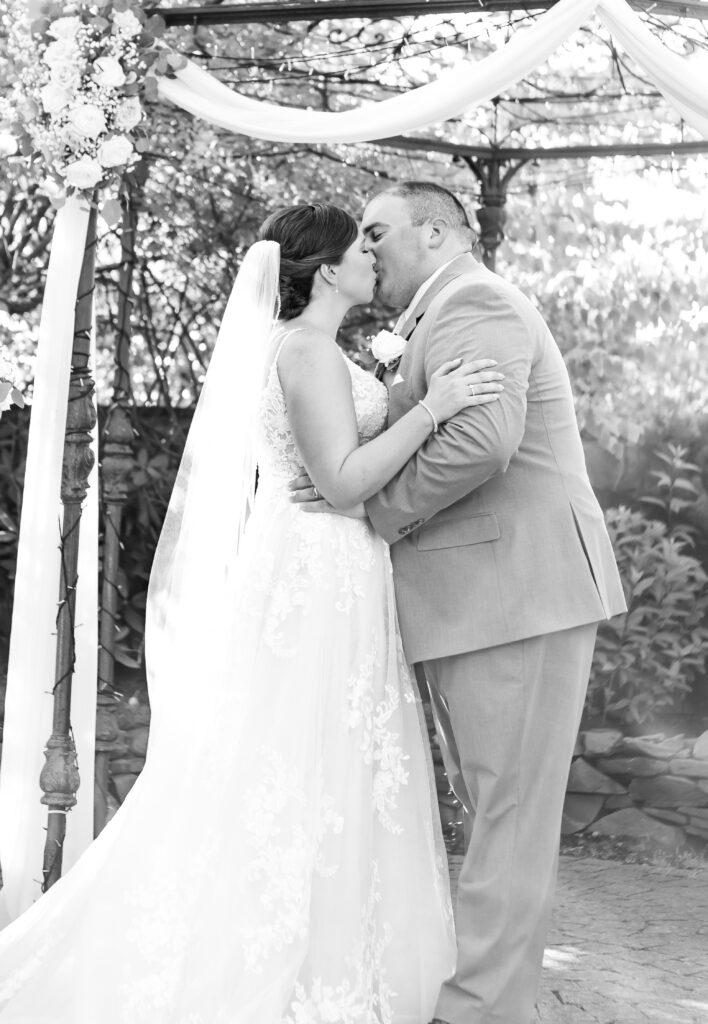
column 648, row 660
column 82, row 73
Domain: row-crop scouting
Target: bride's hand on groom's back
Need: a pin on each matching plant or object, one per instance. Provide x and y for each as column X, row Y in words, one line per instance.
column 456, row 386
column 304, row 492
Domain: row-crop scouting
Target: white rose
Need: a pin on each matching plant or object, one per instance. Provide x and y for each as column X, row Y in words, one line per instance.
column 53, row 98
column 61, row 52
column 387, row 347
column 126, row 23
column 84, row 173
column 108, row 72
column 128, row 114
column 115, row 151
column 64, row 75
column 65, row 28
column 88, row 120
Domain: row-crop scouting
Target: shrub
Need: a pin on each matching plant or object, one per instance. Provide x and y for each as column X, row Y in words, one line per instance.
column 650, row 658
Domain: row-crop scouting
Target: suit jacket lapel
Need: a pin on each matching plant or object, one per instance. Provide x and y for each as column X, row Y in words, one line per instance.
column 463, row 264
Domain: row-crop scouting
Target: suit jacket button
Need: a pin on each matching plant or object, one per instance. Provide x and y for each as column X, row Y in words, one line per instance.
column 411, row 526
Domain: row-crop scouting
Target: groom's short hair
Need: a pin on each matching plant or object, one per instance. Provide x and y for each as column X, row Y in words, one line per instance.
column 426, row 201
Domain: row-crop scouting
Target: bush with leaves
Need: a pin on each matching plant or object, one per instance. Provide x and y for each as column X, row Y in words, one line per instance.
column 649, row 659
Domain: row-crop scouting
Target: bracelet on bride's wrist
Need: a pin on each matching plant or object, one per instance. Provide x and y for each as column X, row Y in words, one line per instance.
column 431, row 414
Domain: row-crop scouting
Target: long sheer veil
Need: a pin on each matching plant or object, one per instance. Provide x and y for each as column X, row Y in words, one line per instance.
column 195, row 563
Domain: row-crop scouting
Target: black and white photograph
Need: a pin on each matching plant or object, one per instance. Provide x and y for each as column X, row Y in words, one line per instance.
column 354, row 512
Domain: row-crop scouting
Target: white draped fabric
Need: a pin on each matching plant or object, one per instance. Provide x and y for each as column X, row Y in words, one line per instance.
column 32, row 648
column 466, row 86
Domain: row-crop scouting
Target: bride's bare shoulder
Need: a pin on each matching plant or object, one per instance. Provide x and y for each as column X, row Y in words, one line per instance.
column 305, row 349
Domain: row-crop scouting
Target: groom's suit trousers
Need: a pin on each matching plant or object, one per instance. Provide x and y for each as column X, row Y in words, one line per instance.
column 511, row 715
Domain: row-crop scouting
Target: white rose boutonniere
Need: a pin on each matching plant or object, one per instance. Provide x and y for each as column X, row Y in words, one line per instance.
column 387, row 347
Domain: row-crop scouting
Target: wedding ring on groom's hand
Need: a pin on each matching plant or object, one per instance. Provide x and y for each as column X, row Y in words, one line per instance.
column 315, row 493
column 472, row 390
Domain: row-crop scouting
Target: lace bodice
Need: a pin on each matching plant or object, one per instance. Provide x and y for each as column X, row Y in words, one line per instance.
column 277, row 452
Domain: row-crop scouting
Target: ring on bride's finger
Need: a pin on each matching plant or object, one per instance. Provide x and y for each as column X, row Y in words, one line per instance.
column 315, row 492
column 472, row 390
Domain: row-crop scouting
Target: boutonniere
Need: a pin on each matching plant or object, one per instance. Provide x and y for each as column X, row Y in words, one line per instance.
column 387, row 348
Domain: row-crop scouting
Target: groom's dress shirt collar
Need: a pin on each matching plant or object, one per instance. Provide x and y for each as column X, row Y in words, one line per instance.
column 419, row 294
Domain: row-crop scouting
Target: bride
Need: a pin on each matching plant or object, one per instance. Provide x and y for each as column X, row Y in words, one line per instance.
column 279, row 860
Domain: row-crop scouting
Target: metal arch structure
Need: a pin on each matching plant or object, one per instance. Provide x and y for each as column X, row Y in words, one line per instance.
column 494, row 167
column 317, row 10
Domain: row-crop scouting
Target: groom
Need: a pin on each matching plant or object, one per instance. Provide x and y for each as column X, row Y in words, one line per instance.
column 503, row 568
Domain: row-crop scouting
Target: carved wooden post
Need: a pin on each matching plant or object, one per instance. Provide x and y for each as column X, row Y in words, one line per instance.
column 59, row 778
column 116, row 464
column 492, row 213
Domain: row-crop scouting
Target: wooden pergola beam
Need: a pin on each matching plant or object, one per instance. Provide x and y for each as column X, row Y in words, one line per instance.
column 312, row 10
column 503, row 154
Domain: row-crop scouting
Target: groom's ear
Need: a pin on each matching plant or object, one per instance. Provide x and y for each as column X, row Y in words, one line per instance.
column 437, row 232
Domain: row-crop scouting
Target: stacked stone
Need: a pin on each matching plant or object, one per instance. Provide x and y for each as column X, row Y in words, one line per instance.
column 639, row 787
column 128, row 754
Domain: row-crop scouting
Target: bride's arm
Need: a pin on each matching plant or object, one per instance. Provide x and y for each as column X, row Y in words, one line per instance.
column 318, row 395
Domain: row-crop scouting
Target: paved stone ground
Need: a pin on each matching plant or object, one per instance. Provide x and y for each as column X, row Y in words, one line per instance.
column 628, row 945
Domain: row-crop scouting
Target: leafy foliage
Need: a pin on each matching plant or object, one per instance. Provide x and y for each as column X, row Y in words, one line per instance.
column 650, row 659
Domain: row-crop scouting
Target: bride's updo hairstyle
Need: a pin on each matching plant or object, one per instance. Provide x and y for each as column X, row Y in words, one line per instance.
column 309, row 236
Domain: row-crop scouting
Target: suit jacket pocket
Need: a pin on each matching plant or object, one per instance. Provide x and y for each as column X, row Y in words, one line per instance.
column 456, row 533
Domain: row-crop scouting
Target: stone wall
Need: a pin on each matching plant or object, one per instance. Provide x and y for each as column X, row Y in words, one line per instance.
column 639, row 787
column 127, row 758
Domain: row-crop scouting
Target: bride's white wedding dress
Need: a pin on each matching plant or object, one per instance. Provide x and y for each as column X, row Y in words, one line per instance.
column 280, row 863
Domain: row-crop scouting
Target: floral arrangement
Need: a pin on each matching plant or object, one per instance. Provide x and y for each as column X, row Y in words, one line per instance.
column 83, row 71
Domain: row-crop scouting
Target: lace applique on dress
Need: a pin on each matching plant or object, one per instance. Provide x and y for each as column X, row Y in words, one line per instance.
column 319, row 554
column 277, row 451
column 364, row 995
column 285, row 855
column 371, row 711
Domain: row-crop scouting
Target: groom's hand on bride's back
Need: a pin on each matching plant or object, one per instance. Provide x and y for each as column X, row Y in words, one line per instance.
column 304, row 492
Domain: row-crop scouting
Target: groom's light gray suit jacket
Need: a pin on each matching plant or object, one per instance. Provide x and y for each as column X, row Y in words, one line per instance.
column 496, row 534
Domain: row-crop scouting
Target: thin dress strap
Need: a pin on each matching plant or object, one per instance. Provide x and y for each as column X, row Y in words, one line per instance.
column 285, row 337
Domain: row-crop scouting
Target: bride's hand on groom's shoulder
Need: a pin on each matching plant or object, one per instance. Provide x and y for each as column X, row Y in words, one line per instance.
column 305, row 493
